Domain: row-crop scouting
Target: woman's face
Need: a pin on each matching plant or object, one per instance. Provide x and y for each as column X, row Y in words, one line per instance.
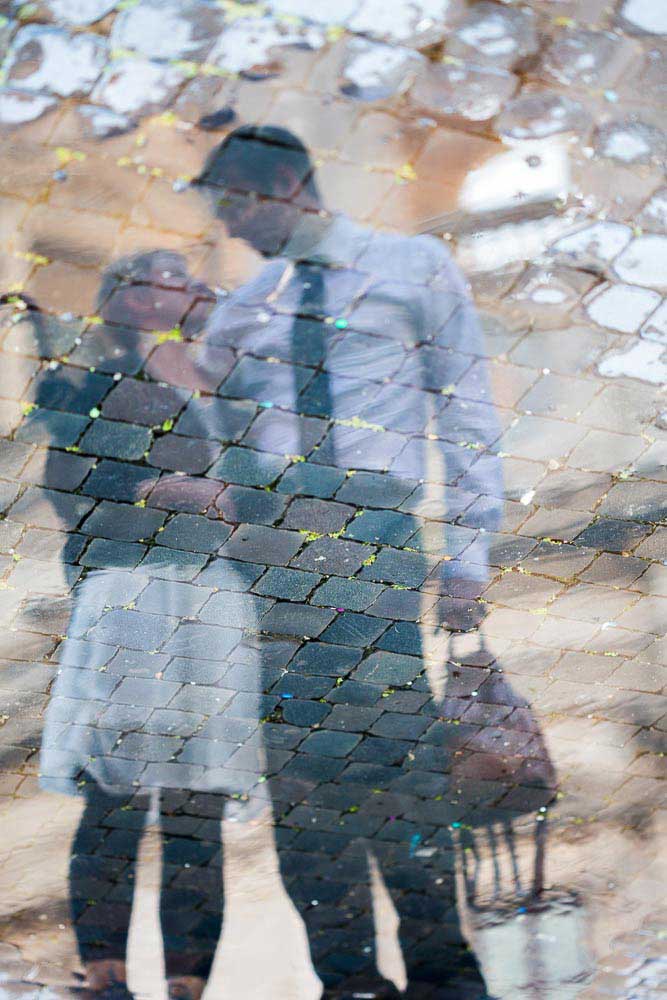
column 157, row 302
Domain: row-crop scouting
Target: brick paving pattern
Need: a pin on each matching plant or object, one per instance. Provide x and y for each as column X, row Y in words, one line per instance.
column 366, row 561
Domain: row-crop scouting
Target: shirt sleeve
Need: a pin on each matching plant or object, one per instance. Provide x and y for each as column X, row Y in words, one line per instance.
column 466, row 428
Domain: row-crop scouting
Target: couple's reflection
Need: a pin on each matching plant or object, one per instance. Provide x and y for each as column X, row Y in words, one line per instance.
column 292, row 668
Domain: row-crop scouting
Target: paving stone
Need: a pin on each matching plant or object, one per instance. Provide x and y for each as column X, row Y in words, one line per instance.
column 642, row 17
column 123, row 522
column 601, row 241
column 228, row 574
column 593, row 57
column 173, row 564
column 535, row 437
column 250, row 506
column 653, row 581
column 408, row 569
column 557, row 396
column 304, row 713
column 119, row 481
column 113, row 349
column 317, row 515
column 64, row 64
column 194, row 534
column 13, row 458
column 168, row 30
column 611, row 535
column 80, row 392
column 248, row 468
column 641, row 501
column 568, row 351
column 332, row 555
column 182, row 493
column 605, row 452
column 44, row 577
column 44, row 508
column 288, row 584
column 256, row 542
column 79, row 11
column 388, row 669
column 301, row 620
column 645, row 615
column 236, row 610
column 367, row 489
column 159, row 594
column 387, row 527
column 353, row 595
column 183, row 454
column 353, row 448
column 311, row 480
column 57, row 470
column 654, row 213
column 325, row 659
column 136, row 631
column 558, row 560
column 494, row 36
column 284, row 433
column 103, row 553
column 630, row 141
column 373, row 71
column 293, row 686
column 401, row 637
column 263, row 381
column 351, row 629
column 113, row 439
column 201, row 641
column 402, row 604
column 330, row 744
column 641, row 262
column 52, row 339
column 642, row 361
column 477, row 94
column 50, row 427
column 143, row 402
column 537, row 116
column 136, row 87
column 572, row 488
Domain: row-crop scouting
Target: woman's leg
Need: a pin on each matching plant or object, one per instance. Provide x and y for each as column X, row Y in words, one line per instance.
column 191, row 901
column 437, row 956
column 101, row 879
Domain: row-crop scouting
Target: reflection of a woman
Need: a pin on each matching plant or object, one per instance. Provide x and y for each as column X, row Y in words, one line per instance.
column 135, row 722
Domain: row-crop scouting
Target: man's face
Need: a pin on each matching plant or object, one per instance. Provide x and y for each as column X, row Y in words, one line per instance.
column 264, row 223
column 256, row 192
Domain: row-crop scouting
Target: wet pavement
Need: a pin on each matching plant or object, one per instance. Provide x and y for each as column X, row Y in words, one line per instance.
column 332, row 476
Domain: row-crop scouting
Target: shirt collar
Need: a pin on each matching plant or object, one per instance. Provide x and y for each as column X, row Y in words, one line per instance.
column 330, row 240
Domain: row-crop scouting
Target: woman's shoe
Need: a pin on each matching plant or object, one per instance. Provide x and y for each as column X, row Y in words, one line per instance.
column 106, row 974
column 185, row 987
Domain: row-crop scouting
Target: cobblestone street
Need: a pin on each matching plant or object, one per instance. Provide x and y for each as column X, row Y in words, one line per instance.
column 333, row 507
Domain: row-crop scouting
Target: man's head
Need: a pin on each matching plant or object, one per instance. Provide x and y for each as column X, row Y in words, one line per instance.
column 260, row 181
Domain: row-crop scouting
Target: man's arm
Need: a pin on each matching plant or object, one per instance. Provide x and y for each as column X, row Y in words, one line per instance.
column 466, row 430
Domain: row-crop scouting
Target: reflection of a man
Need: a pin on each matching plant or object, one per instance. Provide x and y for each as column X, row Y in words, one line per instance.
column 352, row 340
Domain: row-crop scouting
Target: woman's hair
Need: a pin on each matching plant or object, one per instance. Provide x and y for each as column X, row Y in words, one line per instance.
column 253, row 157
column 141, row 268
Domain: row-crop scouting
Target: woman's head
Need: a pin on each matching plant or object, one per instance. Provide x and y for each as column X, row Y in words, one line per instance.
column 148, row 291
